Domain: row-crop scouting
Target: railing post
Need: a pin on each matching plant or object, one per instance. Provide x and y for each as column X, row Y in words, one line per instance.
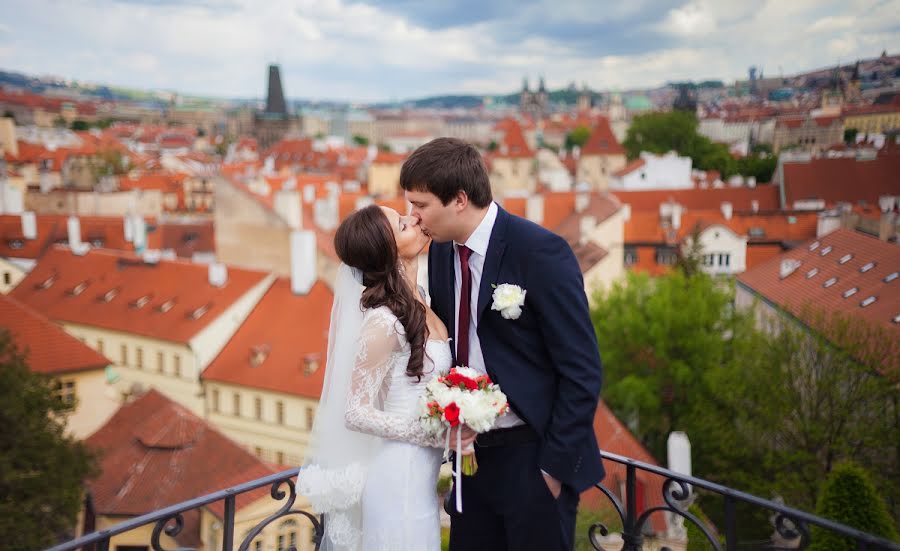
column 730, row 524
column 630, row 531
column 228, row 527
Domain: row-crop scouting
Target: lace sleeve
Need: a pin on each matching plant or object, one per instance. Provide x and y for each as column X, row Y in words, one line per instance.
column 379, row 344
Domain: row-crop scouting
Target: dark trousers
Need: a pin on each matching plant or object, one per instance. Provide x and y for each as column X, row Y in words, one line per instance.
column 508, row 507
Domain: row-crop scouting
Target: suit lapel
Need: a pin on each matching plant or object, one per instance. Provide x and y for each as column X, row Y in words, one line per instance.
column 449, row 271
column 496, row 247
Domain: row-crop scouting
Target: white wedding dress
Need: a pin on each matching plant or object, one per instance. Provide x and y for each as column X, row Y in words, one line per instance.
column 400, row 509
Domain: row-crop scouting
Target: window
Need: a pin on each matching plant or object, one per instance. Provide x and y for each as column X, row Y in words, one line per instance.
column 257, row 451
column 257, row 407
column 236, row 404
column 215, row 400
column 310, row 417
column 724, row 260
column 140, row 357
column 66, row 391
column 177, row 365
column 709, row 260
column 160, row 362
column 279, row 458
column 287, row 535
column 100, row 346
column 279, row 412
column 631, row 256
column 123, row 354
column 666, row 256
column 7, row 278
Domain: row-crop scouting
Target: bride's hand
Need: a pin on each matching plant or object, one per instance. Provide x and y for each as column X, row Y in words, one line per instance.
column 467, row 436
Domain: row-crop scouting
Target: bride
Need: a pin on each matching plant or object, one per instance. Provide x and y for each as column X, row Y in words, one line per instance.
column 371, row 468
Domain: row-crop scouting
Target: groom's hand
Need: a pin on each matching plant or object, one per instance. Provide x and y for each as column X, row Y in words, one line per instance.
column 468, row 438
column 555, row 486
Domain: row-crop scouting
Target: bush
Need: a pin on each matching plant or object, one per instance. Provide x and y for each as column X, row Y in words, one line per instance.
column 849, row 497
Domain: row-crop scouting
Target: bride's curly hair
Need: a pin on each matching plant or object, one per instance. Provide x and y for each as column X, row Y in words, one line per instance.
column 366, row 242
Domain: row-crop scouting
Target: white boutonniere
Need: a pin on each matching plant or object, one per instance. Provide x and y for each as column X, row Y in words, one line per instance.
column 508, row 299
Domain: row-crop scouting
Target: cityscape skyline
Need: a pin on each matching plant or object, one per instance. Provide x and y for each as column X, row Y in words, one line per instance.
column 350, row 51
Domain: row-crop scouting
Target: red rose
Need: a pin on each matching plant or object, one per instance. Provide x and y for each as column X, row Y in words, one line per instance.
column 451, row 414
column 456, row 379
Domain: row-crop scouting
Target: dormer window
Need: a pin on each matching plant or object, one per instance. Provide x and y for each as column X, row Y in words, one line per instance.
column 866, row 267
column 258, row 354
column 311, row 363
column 109, row 295
column 199, row 312
column 47, row 283
column 16, row 244
column 845, row 259
column 812, row 273
column 868, row 301
column 166, row 306
column 825, row 250
column 829, row 282
column 890, row 277
column 850, row 292
column 814, row 245
column 141, row 302
column 78, row 289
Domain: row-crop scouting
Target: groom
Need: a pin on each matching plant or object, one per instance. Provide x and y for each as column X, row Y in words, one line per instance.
column 537, row 459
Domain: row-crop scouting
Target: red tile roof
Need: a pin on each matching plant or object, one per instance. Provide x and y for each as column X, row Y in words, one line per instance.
column 843, row 179
column 107, row 232
column 645, row 226
column 614, row 437
column 600, row 206
column 385, row 157
column 48, row 347
column 156, row 453
column 711, row 198
column 806, row 285
column 602, row 140
column 187, row 239
column 513, row 145
column 285, row 331
column 630, row 167
column 75, row 289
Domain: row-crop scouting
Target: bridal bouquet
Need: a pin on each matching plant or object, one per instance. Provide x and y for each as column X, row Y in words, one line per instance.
column 461, row 396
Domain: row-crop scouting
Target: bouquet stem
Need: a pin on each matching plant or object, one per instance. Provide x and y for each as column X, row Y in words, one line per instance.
column 469, row 465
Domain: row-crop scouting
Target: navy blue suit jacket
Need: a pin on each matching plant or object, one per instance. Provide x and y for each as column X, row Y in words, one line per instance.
column 546, row 361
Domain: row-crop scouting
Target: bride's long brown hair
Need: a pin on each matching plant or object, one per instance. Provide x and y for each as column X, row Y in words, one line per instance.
column 366, row 242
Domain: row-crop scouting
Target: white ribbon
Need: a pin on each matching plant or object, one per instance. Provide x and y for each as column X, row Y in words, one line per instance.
column 457, row 473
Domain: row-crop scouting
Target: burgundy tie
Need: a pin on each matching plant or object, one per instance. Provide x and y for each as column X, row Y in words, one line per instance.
column 465, row 301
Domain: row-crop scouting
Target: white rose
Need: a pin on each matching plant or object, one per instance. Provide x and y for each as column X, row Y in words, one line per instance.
column 508, row 300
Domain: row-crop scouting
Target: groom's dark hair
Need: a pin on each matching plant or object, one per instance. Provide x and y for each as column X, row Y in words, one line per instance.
column 446, row 166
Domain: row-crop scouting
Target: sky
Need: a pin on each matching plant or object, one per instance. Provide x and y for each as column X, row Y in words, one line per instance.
column 348, row 50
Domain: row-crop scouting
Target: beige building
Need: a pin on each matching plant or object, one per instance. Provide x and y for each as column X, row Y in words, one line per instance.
column 872, row 119
column 513, row 166
column 160, row 322
column 82, row 375
column 384, row 175
column 807, row 133
column 600, row 157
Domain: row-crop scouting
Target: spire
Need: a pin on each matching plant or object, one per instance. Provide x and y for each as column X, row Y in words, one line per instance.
column 275, row 98
column 524, row 84
column 542, row 88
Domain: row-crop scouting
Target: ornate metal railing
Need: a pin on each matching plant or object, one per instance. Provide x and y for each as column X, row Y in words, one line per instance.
column 791, row 524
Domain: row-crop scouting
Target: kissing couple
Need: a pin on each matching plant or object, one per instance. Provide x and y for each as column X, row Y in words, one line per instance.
column 372, row 468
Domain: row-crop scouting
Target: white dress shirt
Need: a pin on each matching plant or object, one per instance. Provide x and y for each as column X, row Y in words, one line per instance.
column 478, row 243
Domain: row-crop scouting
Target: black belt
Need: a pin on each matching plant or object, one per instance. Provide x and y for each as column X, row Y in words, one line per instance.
column 511, row 436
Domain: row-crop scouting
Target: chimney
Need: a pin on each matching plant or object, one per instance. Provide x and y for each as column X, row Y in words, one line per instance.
column 218, row 274
column 626, row 212
column 886, row 203
column 751, row 181
column 727, row 210
column 11, row 201
column 887, row 225
column 303, row 261
column 128, row 228
column 534, row 208
column 309, row 193
column 140, row 233
column 754, row 205
column 676, row 215
column 74, row 227
column 287, row 205
column 679, row 454
column 587, row 225
column 29, row 225
column 325, row 212
column 363, row 202
column 788, row 266
column 576, row 152
column 582, row 200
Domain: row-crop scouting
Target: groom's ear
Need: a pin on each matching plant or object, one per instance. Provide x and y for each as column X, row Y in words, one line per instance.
column 461, row 201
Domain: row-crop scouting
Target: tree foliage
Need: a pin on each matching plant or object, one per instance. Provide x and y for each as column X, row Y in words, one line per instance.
column 41, row 468
column 360, row 140
column 677, row 131
column 578, row 137
column 849, row 497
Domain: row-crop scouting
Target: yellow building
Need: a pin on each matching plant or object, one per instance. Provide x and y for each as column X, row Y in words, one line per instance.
column 872, row 119
column 81, row 374
column 384, row 175
column 807, row 133
column 513, row 166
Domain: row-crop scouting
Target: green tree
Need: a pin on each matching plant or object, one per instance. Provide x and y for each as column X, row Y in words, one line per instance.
column 850, row 135
column 41, row 468
column 659, row 337
column 578, row 137
column 360, row 140
column 849, row 497
column 80, row 125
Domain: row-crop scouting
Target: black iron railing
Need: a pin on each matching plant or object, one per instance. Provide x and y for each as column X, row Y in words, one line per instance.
column 791, row 524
